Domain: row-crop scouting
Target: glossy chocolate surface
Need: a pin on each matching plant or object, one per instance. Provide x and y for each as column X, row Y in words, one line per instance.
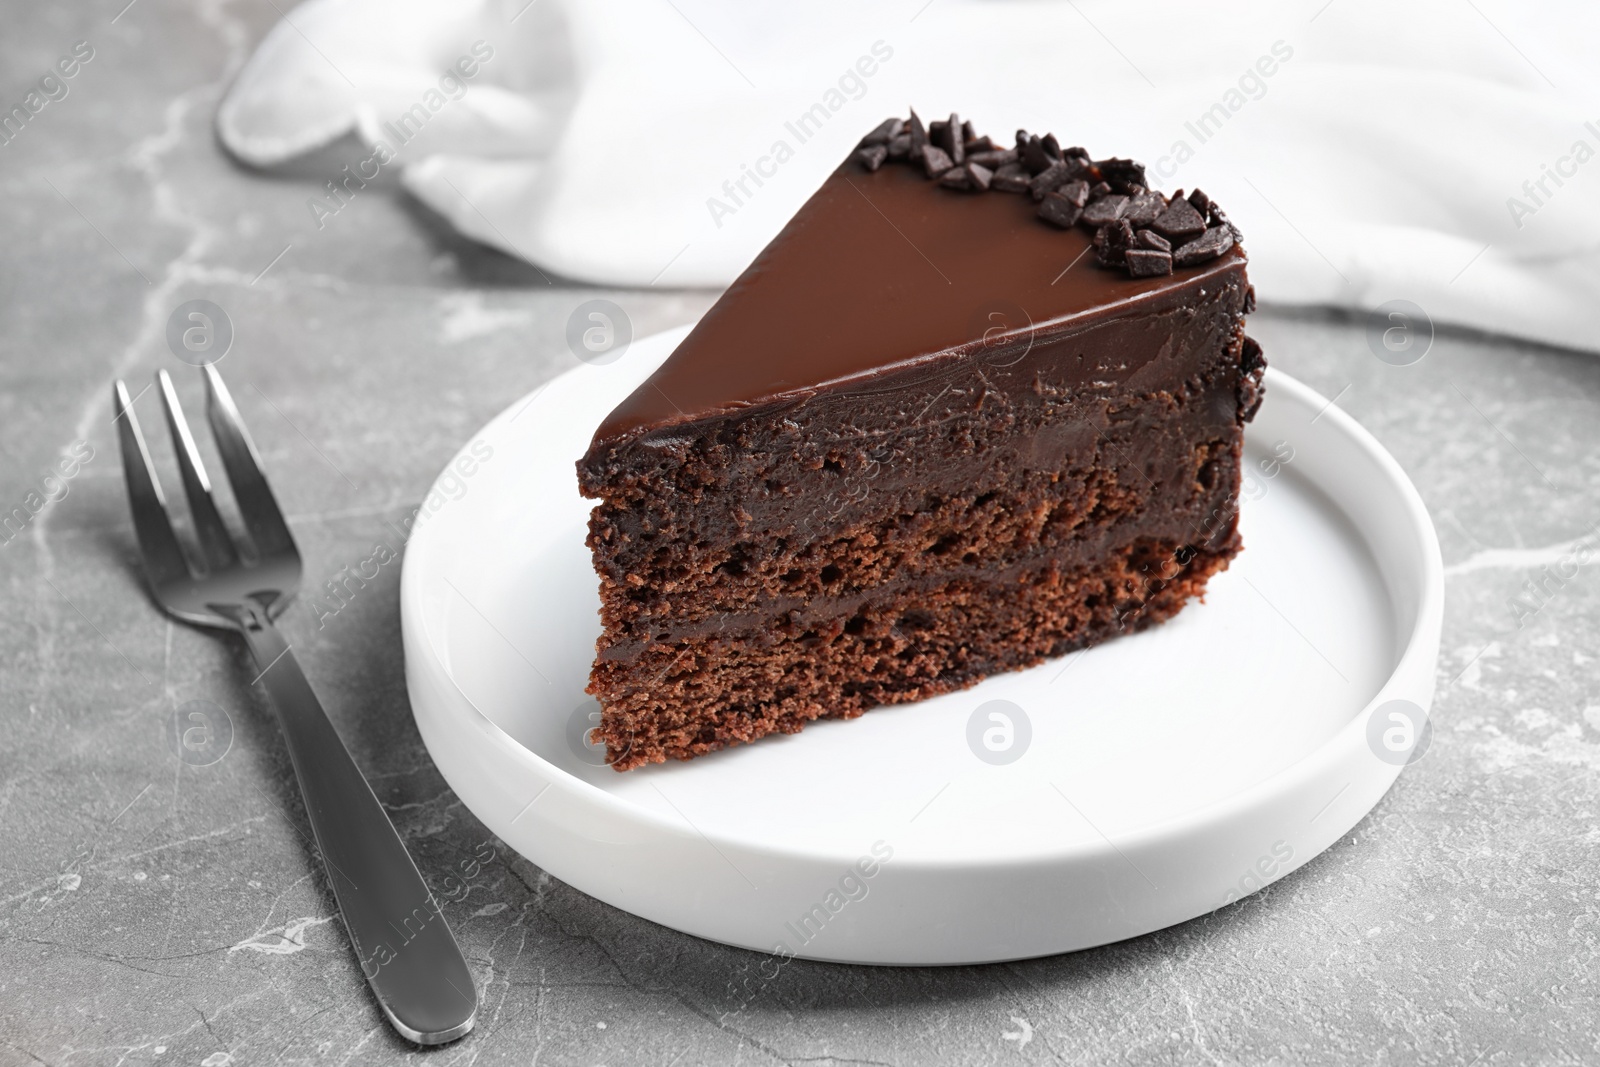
column 879, row 272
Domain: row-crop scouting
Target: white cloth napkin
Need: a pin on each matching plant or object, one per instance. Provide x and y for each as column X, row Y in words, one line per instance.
column 1370, row 150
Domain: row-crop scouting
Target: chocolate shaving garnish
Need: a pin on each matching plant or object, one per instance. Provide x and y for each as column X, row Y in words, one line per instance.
column 1033, row 155
column 1136, row 228
column 1111, row 243
column 1147, row 263
column 947, row 135
column 1011, row 178
column 887, row 131
column 1076, row 192
column 1104, row 210
column 1059, row 210
column 872, row 156
column 1250, row 356
column 1122, row 174
column 1055, row 174
column 1208, row 246
column 1143, row 208
column 918, row 132
column 1254, row 365
column 1221, row 219
column 1180, row 219
column 969, row 175
column 993, row 158
column 934, row 160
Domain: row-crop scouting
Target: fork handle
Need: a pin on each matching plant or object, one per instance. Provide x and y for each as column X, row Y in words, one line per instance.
column 397, row 928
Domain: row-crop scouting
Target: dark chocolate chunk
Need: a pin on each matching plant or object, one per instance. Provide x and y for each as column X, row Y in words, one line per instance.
column 969, row 175
column 1011, row 178
column 1049, row 178
column 1251, row 357
column 1250, row 300
column 1135, row 227
column 918, row 132
column 1254, row 364
column 956, row 178
column 1208, row 246
column 1122, row 174
column 1151, row 239
column 887, row 131
column 947, row 135
column 1143, row 208
column 934, row 160
column 1147, row 263
column 1111, row 243
column 1059, row 211
column 1033, row 155
column 1180, row 219
column 993, row 158
column 1077, row 193
column 1104, row 210
column 1220, row 219
column 872, row 156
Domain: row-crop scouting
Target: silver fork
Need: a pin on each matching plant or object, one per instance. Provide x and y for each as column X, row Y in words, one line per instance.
column 397, row 928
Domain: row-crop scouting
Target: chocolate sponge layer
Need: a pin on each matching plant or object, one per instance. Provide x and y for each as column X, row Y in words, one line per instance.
column 890, row 538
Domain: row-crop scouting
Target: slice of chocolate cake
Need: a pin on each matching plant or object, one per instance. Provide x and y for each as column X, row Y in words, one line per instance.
column 974, row 407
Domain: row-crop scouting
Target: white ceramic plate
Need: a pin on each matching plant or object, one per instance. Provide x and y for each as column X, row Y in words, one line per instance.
column 1167, row 773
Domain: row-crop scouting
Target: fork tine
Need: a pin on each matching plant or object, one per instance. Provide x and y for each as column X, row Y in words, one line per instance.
column 216, row 544
column 242, row 462
column 158, row 544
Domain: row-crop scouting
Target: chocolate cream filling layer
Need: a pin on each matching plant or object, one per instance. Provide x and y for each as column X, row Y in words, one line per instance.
column 1037, row 447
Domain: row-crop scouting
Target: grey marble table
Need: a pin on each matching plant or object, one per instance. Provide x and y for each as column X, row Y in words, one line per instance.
column 153, row 911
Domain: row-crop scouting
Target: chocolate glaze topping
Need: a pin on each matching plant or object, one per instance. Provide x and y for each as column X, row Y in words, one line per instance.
column 890, row 265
